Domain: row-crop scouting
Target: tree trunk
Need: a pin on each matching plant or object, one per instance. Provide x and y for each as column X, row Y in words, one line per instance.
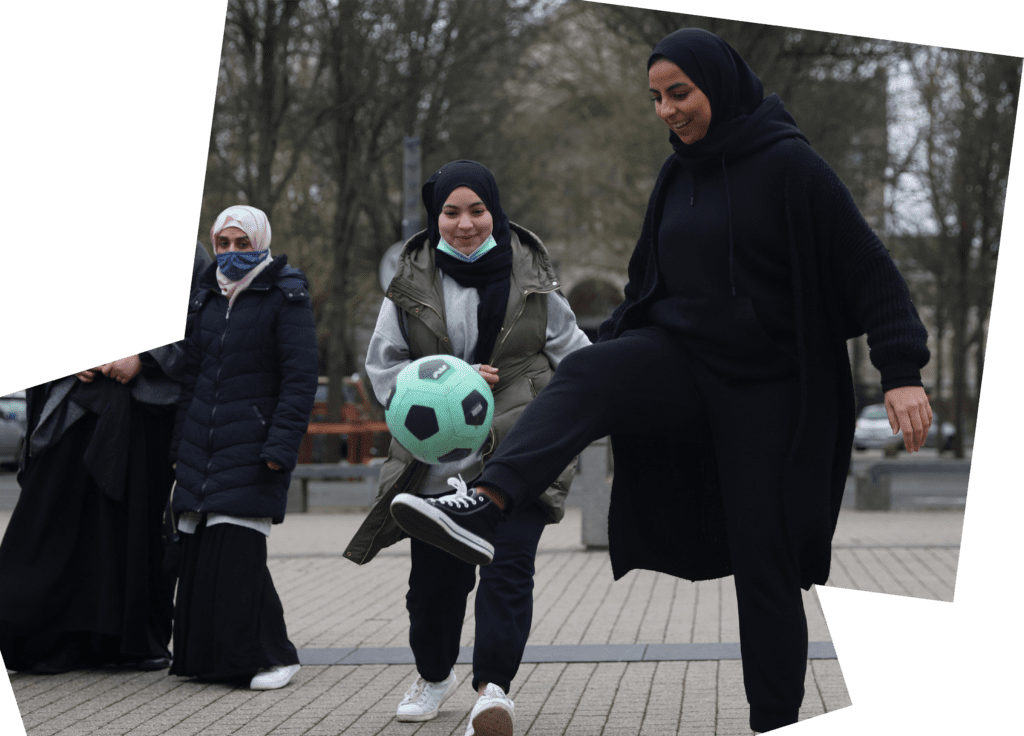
column 958, row 317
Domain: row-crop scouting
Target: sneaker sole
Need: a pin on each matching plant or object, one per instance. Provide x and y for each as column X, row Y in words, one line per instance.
column 494, row 721
column 421, row 520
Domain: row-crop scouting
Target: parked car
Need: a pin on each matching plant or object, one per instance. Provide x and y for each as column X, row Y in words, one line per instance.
column 13, row 424
column 872, row 431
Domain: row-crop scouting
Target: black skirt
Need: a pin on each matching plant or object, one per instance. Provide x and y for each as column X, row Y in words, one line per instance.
column 228, row 619
column 82, row 582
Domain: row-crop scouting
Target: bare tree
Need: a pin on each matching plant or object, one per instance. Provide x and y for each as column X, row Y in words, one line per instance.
column 396, row 69
column 960, row 162
column 263, row 117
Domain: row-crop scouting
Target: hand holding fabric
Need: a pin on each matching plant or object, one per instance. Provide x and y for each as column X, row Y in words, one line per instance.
column 87, row 376
column 909, row 410
column 122, row 370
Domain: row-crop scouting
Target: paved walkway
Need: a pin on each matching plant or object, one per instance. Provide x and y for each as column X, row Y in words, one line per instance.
column 648, row 655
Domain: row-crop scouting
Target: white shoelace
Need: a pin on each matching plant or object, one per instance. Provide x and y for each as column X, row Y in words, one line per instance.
column 414, row 692
column 462, row 497
column 424, row 693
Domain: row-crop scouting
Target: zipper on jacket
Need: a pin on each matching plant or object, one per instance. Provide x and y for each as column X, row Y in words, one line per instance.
column 423, row 306
column 216, row 397
column 256, row 411
column 515, row 319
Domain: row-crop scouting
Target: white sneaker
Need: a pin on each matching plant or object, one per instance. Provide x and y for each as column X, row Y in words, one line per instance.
column 492, row 714
column 423, row 700
column 274, row 678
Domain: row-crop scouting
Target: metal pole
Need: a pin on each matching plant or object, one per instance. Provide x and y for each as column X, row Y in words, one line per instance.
column 411, row 181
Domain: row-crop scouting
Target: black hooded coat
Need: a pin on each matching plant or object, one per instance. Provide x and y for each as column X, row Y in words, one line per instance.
column 753, row 199
column 84, row 581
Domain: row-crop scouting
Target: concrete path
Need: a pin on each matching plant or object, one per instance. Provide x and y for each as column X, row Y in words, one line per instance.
column 629, row 658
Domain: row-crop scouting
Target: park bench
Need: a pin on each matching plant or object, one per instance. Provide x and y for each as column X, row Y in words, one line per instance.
column 298, row 494
column 873, row 489
column 359, row 431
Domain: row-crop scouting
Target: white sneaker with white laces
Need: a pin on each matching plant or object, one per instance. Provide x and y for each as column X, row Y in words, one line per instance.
column 423, row 700
column 492, row 714
column 273, row 678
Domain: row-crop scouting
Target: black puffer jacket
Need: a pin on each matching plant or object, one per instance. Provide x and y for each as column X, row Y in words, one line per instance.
column 250, row 384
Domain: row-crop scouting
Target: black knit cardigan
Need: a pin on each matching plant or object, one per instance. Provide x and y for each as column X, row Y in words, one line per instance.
column 666, row 509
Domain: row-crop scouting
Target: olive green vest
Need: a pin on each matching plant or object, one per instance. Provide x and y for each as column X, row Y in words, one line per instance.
column 523, row 369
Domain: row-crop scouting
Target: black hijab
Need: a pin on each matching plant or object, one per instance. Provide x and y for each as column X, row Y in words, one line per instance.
column 742, row 120
column 491, row 274
column 731, row 87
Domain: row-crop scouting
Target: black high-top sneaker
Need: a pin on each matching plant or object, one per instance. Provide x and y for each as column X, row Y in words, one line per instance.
column 463, row 524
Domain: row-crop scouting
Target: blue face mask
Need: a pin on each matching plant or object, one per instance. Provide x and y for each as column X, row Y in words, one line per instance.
column 236, row 264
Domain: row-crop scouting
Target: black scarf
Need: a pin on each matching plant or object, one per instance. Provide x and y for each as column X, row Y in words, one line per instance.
column 491, row 275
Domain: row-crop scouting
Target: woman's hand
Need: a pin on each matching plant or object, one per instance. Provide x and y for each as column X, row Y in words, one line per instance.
column 909, row 410
column 122, row 370
column 490, row 374
column 87, row 376
column 272, row 465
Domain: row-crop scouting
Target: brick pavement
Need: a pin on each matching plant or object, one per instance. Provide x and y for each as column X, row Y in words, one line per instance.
column 331, row 603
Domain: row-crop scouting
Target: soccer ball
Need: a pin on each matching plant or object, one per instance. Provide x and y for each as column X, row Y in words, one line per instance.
column 440, row 409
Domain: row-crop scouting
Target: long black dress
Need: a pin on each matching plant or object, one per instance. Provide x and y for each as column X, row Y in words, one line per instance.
column 82, row 579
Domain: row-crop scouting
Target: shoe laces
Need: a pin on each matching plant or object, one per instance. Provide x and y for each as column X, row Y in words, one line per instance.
column 415, row 692
column 462, row 497
column 423, row 692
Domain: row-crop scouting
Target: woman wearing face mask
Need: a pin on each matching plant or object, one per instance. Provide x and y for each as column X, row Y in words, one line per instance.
column 481, row 288
column 753, row 268
column 251, row 377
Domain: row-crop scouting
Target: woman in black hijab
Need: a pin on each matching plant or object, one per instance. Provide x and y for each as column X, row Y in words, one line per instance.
column 478, row 287
column 723, row 378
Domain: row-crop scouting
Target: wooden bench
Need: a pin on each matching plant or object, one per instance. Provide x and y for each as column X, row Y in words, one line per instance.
column 360, row 433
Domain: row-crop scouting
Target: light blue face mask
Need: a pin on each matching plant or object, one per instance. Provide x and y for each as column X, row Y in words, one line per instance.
column 444, row 247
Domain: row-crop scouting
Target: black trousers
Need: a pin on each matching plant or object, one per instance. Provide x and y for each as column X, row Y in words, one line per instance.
column 439, row 585
column 646, row 382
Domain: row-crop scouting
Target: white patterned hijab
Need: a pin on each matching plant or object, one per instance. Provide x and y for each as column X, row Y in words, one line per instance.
column 251, row 221
column 254, row 223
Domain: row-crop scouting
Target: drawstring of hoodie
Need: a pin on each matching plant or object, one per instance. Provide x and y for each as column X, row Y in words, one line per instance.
column 728, row 214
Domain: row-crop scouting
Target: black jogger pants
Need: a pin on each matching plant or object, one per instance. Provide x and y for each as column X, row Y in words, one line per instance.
column 645, row 381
